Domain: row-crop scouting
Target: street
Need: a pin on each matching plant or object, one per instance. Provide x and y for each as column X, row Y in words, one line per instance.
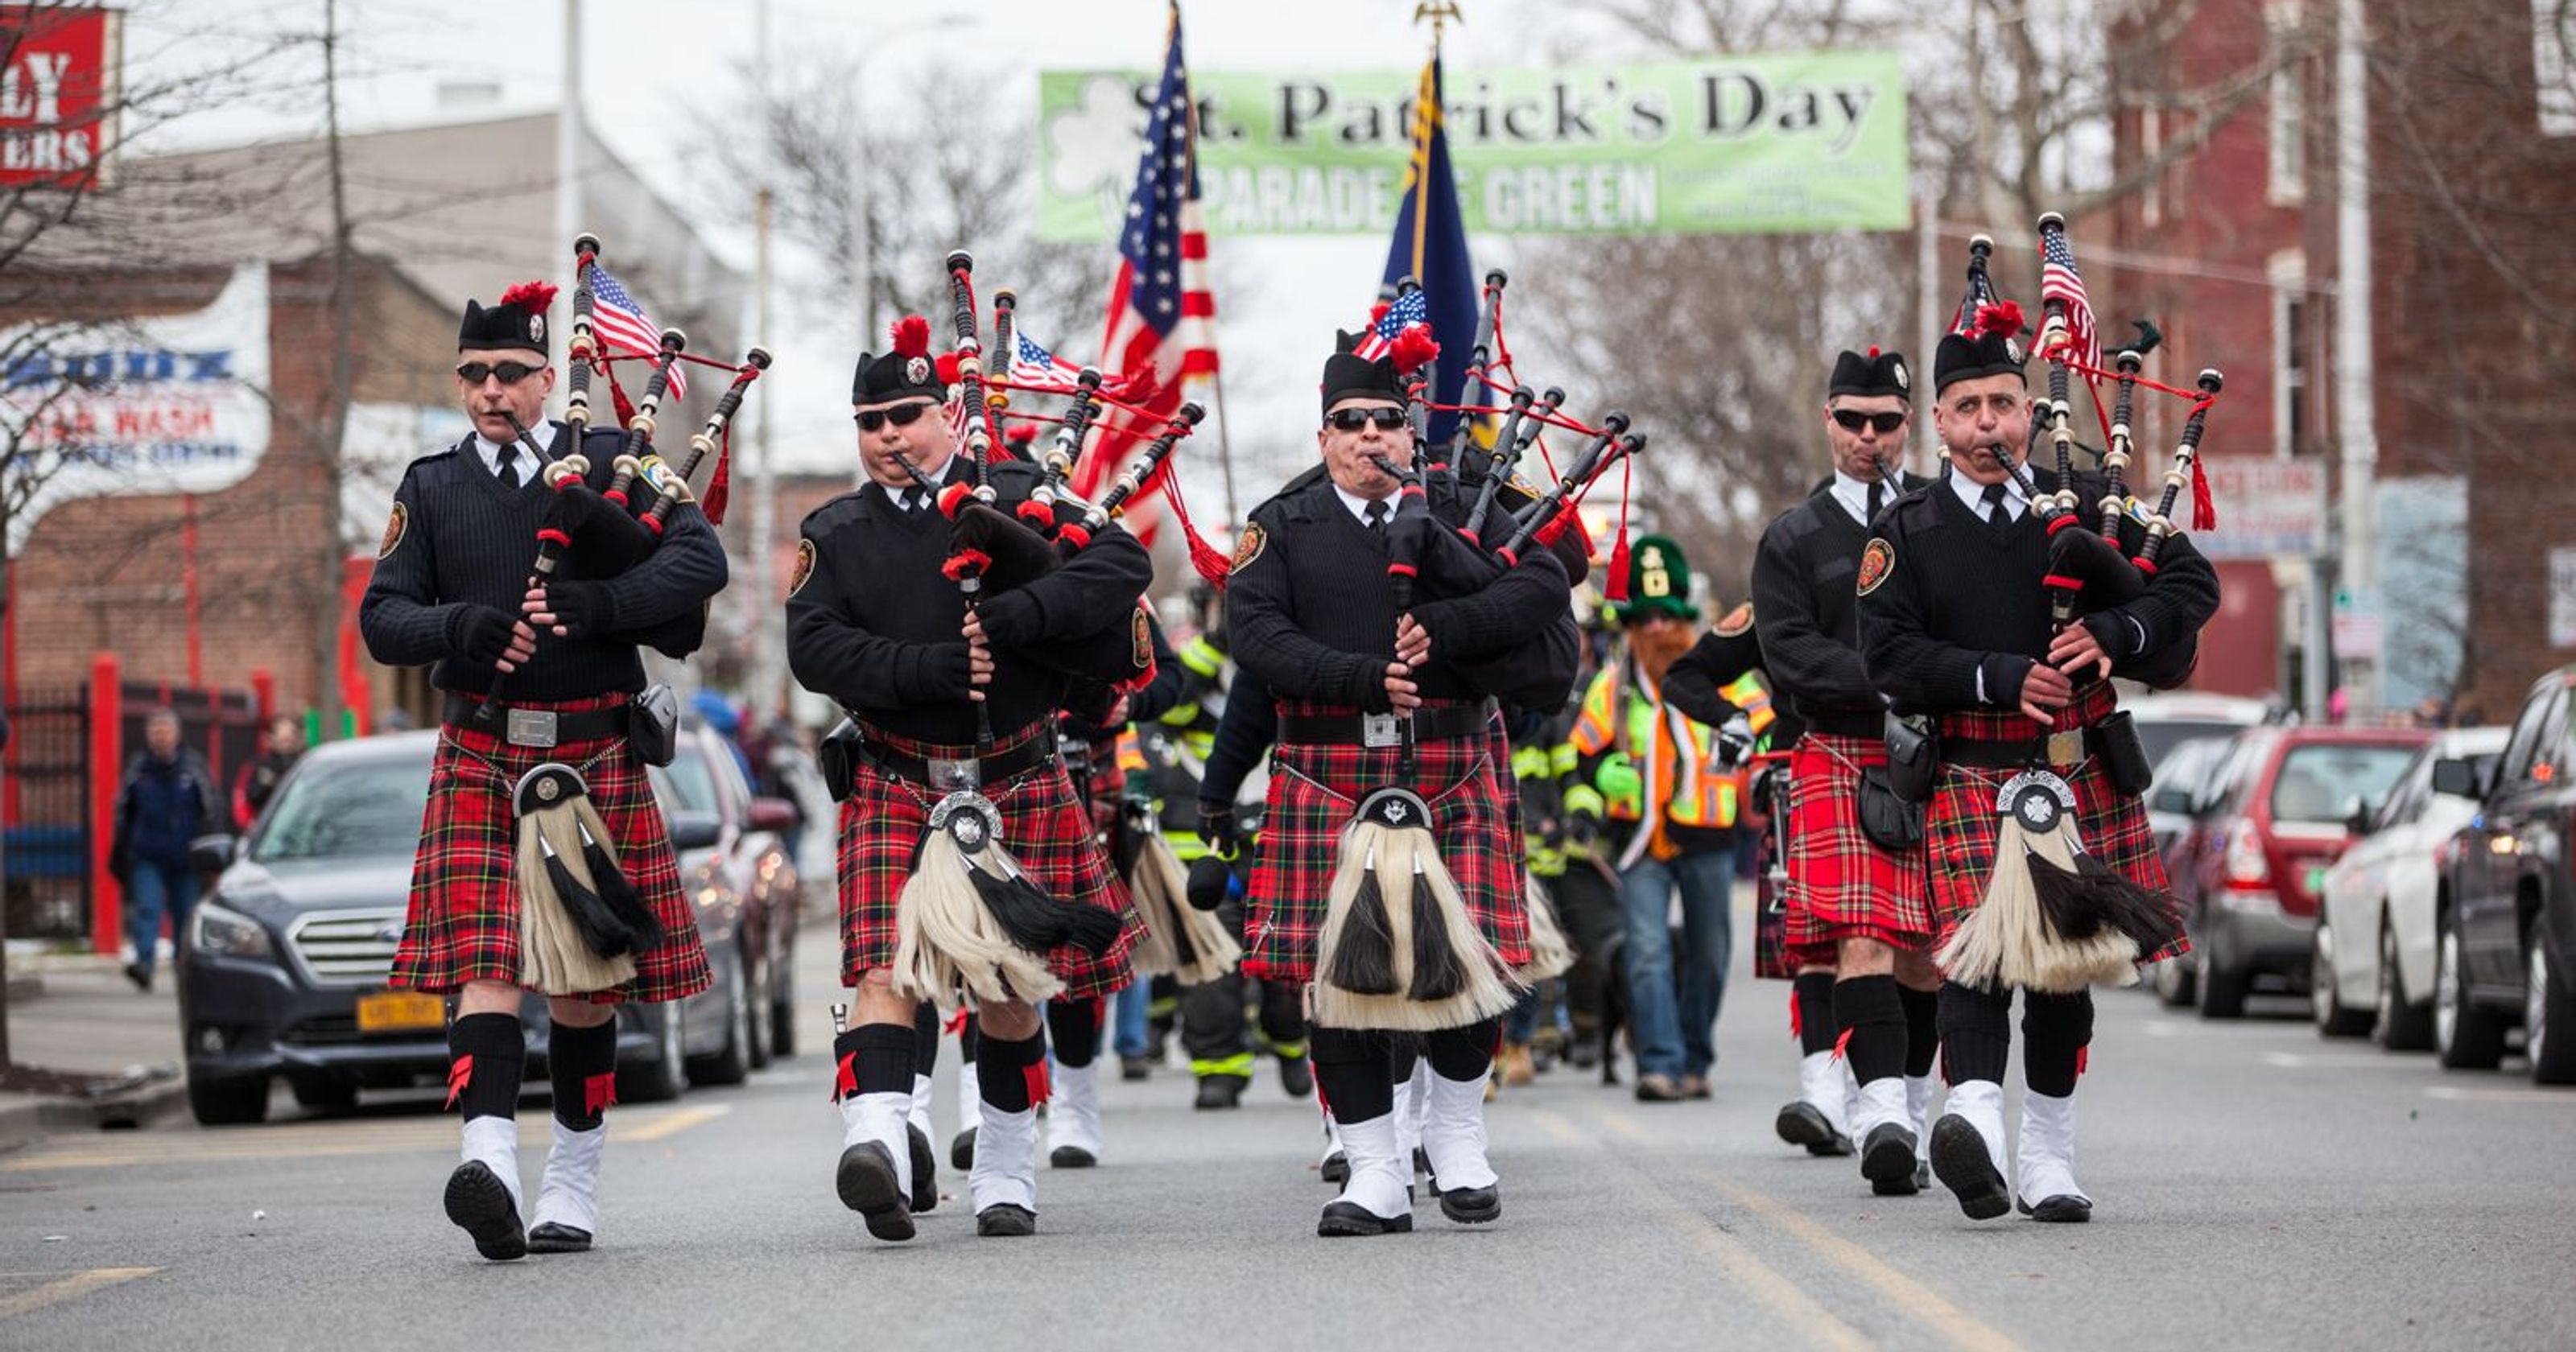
column 2254, row 1187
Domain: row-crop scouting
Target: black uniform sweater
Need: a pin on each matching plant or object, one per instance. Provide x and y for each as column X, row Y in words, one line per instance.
column 459, row 540
column 1951, row 602
column 1808, row 612
column 874, row 624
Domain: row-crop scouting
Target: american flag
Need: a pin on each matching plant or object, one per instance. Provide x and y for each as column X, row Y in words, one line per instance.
column 1032, row 364
column 1161, row 328
column 2058, row 280
column 623, row 326
column 1413, row 307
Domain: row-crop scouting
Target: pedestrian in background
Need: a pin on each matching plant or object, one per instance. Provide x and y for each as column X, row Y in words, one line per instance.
column 259, row 779
column 166, row 799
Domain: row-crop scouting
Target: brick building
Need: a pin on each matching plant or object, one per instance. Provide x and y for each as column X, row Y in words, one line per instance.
column 2472, row 173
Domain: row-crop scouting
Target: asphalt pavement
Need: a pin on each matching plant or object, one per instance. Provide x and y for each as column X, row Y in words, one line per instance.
column 2254, row 1187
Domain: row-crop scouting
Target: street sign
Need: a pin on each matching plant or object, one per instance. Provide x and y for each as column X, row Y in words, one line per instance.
column 2267, row 508
column 59, row 93
column 2562, row 597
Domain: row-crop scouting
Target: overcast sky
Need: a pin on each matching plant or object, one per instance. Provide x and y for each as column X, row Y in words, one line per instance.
column 652, row 63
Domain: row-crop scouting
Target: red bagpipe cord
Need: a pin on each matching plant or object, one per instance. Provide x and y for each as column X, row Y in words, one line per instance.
column 1211, row 565
column 2204, row 508
column 720, row 483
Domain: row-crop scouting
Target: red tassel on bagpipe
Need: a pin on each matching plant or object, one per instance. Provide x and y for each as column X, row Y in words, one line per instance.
column 1615, row 591
column 964, row 562
column 1212, row 566
column 720, row 484
column 2204, row 509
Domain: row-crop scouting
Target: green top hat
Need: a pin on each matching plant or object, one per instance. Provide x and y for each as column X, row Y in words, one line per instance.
column 1659, row 582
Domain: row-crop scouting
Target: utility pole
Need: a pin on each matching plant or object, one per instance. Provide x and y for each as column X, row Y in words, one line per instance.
column 2355, row 424
column 766, row 694
column 568, row 222
column 335, row 421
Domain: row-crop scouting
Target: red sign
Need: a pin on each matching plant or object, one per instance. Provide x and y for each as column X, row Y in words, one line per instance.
column 58, row 94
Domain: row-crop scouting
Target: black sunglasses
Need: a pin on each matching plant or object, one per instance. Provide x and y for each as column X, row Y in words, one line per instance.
column 1353, row 419
column 901, row 415
column 1852, row 420
column 510, row 372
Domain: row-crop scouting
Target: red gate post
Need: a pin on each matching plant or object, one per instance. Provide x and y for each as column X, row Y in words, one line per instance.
column 106, row 767
column 263, row 690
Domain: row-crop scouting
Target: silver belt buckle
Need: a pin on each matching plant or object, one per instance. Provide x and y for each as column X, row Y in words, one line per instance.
column 1378, row 730
column 531, row 727
column 2065, row 748
column 951, row 774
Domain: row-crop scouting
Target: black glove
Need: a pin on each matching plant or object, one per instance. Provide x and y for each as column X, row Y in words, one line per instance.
column 580, row 607
column 478, row 634
column 1010, row 619
column 1218, row 829
column 1735, row 740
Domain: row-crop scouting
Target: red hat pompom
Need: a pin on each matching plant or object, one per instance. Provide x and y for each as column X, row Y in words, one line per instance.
column 535, row 296
column 1413, row 349
column 912, row 336
column 1873, row 352
column 1020, row 434
column 945, row 364
column 2000, row 316
column 1378, row 312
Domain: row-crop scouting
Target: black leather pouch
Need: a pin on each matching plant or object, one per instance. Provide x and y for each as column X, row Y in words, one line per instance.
column 2122, row 752
column 1913, row 755
column 837, row 755
column 1890, row 821
column 653, row 725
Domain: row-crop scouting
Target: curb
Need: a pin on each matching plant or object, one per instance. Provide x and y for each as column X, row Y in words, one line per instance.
column 30, row 1119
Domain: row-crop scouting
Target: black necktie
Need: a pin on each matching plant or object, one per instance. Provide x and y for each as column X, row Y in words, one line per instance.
column 1376, row 514
column 1877, row 495
column 1998, row 516
column 909, row 498
column 509, row 466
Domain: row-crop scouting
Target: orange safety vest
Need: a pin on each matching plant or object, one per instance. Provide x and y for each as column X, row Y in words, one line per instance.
column 1680, row 768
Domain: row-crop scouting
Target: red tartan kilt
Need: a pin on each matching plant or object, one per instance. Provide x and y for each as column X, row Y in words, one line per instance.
column 463, row 923
column 1314, row 790
column 1771, row 957
column 1843, row 885
column 1045, row 825
column 1961, row 827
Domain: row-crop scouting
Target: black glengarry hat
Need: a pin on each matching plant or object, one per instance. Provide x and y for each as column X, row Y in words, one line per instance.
column 906, row 372
column 1992, row 348
column 1874, row 373
column 518, row 320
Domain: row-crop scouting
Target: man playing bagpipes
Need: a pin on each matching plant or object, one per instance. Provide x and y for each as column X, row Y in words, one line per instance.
column 1387, row 874
column 1670, row 789
column 969, row 867
column 539, row 811
column 1859, row 932
column 1968, row 593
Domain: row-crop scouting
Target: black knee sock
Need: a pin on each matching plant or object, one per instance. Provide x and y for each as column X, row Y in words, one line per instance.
column 487, row 1057
column 873, row 1058
column 1922, row 1028
column 1463, row 1053
column 1074, row 1027
column 1976, row 1033
column 2054, row 1032
column 966, row 1041
column 1401, row 1055
column 1873, row 1026
column 582, row 1062
column 1011, row 1076
column 925, row 1038
column 1811, row 1006
column 1351, row 1074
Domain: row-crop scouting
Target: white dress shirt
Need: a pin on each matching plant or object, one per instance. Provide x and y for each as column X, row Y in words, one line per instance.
column 526, row 469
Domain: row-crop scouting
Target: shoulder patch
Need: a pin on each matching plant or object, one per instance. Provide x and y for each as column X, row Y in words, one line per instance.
column 1876, row 562
column 1736, row 622
column 396, row 526
column 1140, row 640
column 1249, row 547
column 804, row 567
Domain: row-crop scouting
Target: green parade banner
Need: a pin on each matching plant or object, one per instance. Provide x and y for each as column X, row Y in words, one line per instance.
column 1733, row 145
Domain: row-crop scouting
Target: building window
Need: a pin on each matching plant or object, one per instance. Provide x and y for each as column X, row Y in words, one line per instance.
column 2288, row 96
column 2151, row 139
column 2293, row 350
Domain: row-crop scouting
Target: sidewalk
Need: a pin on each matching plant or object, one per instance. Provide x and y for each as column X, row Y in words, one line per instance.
column 77, row 1013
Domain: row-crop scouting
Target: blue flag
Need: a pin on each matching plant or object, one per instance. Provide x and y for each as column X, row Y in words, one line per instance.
column 1430, row 246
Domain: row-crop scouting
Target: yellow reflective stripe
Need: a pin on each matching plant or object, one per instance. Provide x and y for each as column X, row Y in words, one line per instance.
column 1746, row 692
column 1203, row 657
column 1532, row 762
column 1592, row 727
column 1239, row 1065
column 1585, row 798
column 1563, row 758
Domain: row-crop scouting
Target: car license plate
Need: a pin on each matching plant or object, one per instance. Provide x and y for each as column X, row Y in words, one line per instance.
column 400, row 1012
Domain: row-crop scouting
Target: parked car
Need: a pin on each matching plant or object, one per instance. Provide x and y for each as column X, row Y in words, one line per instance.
column 734, row 861
column 2181, row 779
column 286, row 958
column 2256, row 859
column 2166, row 719
column 2505, row 921
column 2372, row 956
column 815, row 842
column 2183, row 815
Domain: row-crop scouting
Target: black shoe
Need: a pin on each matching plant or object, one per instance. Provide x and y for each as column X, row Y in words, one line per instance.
column 867, row 1184
column 1802, row 1123
column 1887, row 1161
column 1922, row 1174
column 1583, row 1055
column 1344, row 1219
column 925, row 1170
column 1071, row 1157
column 480, row 1205
column 1471, row 1206
column 1336, row 1168
column 961, row 1150
column 1135, row 1068
column 557, row 1237
column 1959, row 1157
column 142, row 979
column 1297, row 1076
column 2059, row 1208
column 1006, row 1221
column 1220, row 1091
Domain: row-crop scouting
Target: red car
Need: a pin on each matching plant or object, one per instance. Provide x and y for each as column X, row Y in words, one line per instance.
column 2251, row 869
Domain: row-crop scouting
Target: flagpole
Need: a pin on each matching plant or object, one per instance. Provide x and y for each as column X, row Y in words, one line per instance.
column 1216, row 378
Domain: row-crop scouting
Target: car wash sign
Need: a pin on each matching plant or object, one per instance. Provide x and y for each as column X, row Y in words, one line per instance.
column 59, row 94
column 155, row 404
column 1727, row 145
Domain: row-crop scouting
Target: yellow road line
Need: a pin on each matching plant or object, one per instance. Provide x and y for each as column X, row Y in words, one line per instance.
column 1795, row 1308
column 315, row 1141
column 672, row 1123
column 1917, row 1301
column 69, row 1288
